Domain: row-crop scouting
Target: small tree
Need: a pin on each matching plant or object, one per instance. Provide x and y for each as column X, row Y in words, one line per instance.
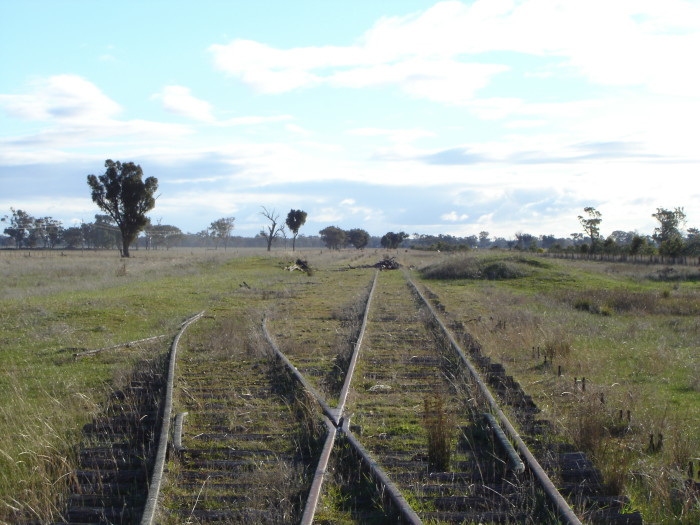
column 392, row 240
column 274, row 229
column 591, row 225
column 125, row 196
column 668, row 234
column 295, row 220
column 21, row 226
column 359, row 238
column 165, row 235
column 221, row 230
column 73, row 237
column 333, row 237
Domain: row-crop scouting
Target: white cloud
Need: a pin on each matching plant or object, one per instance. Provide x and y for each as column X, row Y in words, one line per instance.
column 63, row 98
column 453, row 216
column 179, row 100
column 399, row 136
column 297, row 129
column 427, row 53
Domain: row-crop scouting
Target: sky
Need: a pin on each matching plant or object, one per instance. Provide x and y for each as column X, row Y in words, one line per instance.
column 450, row 117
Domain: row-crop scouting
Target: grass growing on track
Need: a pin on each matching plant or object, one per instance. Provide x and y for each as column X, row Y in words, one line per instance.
column 630, row 333
column 53, row 306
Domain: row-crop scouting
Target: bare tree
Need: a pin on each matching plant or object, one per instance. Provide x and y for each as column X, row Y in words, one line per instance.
column 273, row 230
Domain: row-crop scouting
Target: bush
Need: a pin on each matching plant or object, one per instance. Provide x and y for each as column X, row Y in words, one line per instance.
column 477, row 269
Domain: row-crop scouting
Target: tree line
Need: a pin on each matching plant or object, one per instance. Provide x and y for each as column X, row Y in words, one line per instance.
column 126, row 198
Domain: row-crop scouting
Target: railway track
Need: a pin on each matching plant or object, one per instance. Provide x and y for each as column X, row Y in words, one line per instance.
column 358, row 407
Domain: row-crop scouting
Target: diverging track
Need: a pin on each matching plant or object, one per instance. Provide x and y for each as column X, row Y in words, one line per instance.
column 358, row 406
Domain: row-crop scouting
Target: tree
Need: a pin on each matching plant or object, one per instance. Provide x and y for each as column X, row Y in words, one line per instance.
column 125, row 196
column 668, row 234
column 221, row 230
column 295, row 220
column 165, row 235
column 333, row 237
column 21, row 226
column 392, row 240
column 73, row 237
column 484, row 239
column 274, row 229
column 591, row 225
column 103, row 233
column 48, row 230
column 357, row 237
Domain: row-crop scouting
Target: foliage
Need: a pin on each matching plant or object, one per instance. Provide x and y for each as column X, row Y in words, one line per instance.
column 164, row 235
column 591, row 225
column 333, row 237
column 392, row 240
column 20, row 226
column 295, row 220
column 125, row 196
column 357, row 237
column 221, row 230
column 465, row 267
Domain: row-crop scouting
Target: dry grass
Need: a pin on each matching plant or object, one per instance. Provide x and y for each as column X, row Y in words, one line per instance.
column 635, row 342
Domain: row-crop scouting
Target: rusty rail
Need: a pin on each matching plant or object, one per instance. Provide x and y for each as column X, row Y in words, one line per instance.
column 149, row 511
column 557, row 500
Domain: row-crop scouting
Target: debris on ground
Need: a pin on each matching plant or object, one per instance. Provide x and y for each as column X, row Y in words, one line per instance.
column 388, row 263
column 380, row 389
column 299, row 266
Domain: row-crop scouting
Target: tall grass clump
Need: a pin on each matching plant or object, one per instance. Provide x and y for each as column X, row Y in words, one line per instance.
column 37, row 456
column 439, row 426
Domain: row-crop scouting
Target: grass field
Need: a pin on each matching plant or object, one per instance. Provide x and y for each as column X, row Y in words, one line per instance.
column 629, row 332
column 632, row 335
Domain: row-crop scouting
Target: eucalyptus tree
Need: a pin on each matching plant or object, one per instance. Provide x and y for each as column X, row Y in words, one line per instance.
column 123, row 194
column 358, row 237
column 295, row 220
column 221, row 230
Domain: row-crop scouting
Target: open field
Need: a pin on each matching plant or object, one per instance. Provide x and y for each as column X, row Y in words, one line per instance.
column 632, row 336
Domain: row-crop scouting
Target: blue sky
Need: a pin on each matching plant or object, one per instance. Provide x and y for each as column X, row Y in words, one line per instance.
column 428, row 117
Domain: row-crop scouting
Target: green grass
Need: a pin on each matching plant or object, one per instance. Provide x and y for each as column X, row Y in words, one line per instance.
column 632, row 336
column 53, row 307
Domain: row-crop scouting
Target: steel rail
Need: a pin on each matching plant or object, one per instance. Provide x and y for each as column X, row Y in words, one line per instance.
column 336, row 422
column 406, row 513
column 149, row 510
column 327, row 410
column 560, row 504
column 356, row 351
column 317, row 484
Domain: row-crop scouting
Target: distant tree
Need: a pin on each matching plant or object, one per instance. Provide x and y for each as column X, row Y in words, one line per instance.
column 548, row 241
column 692, row 244
column 484, row 239
column 668, row 234
column 295, row 220
column 221, row 230
column 333, row 237
column 48, row 231
column 357, row 237
column 591, row 225
column 392, row 240
column 525, row 241
column 125, row 196
column 73, row 237
column 165, row 235
column 103, row 233
column 21, row 226
column 273, row 230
